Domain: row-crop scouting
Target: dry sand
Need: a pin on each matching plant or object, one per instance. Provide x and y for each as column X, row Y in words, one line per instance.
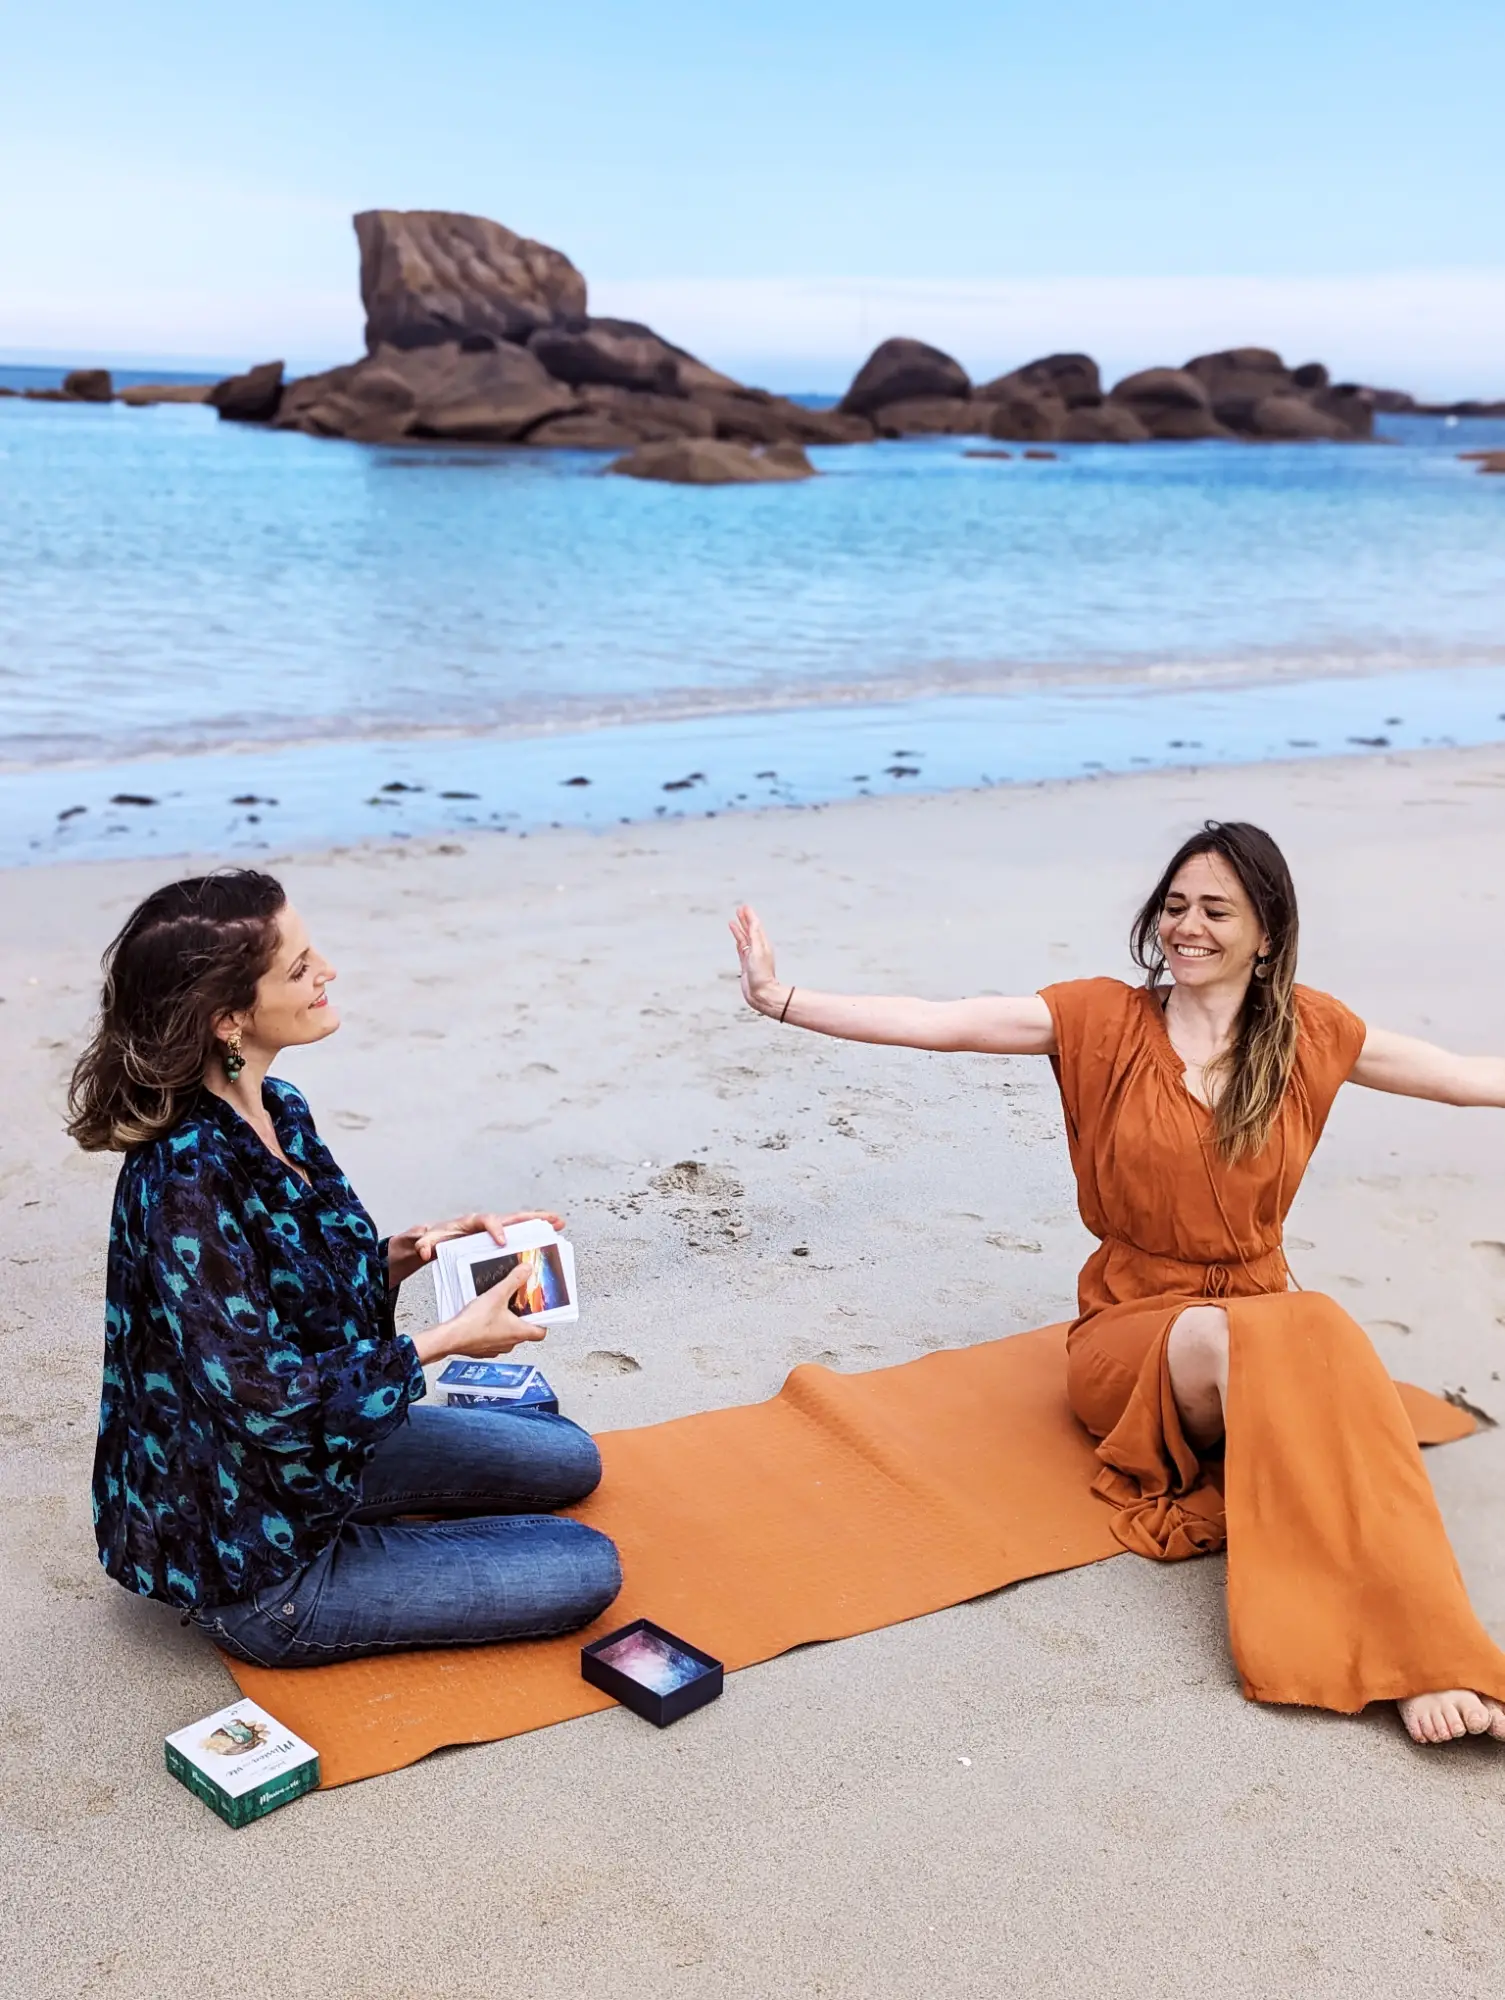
column 1054, row 1791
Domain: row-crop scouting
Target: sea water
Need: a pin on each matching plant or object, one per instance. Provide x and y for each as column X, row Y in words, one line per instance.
column 273, row 637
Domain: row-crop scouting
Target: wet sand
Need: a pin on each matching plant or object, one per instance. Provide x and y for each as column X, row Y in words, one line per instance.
column 1051, row 1791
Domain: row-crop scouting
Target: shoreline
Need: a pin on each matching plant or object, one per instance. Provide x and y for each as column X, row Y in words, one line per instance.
column 333, row 793
column 592, row 714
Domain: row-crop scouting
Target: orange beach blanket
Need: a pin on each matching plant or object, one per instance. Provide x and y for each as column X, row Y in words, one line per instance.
column 844, row 1503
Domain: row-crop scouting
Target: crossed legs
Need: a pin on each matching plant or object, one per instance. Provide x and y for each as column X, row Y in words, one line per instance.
column 1197, row 1355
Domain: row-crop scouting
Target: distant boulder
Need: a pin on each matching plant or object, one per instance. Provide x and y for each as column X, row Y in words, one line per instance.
column 1169, row 402
column 1310, row 375
column 141, row 395
column 1024, row 414
column 252, row 398
column 429, row 277
column 714, row 462
column 899, row 370
column 1102, row 423
column 615, row 352
column 89, row 385
column 1071, row 379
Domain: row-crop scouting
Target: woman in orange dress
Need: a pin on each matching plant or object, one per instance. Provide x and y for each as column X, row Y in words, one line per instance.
column 1229, row 1406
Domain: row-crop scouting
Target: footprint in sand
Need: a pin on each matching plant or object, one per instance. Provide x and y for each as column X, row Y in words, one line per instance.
column 1493, row 1253
column 1388, row 1326
column 351, row 1121
column 606, row 1361
column 1001, row 1240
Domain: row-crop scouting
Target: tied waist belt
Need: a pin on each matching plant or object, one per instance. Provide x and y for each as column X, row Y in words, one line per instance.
column 1236, row 1276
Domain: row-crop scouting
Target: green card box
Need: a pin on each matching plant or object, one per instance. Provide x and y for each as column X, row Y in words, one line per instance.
column 242, row 1762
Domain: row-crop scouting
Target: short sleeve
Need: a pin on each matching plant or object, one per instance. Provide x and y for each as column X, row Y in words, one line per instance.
column 1093, row 1020
column 1329, row 1042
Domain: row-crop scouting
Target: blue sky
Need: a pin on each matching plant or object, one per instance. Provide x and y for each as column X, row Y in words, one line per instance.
column 774, row 183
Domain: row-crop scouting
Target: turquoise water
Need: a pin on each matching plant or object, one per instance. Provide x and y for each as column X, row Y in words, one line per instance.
column 170, row 584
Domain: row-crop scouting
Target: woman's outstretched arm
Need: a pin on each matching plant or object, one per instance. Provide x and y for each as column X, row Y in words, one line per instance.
column 987, row 1026
column 1411, row 1068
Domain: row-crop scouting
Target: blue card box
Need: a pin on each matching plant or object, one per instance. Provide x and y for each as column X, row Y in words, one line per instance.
column 495, row 1385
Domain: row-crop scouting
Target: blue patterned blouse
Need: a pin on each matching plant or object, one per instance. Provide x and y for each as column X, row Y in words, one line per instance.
column 251, row 1359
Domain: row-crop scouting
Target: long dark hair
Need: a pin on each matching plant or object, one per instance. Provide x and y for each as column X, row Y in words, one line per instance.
column 1256, row 1067
column 193, row 951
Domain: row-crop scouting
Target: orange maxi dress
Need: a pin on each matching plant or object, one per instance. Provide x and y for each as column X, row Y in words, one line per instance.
column 1342, row 1586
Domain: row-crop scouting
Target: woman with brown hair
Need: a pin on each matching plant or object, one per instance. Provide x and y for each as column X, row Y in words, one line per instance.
column 257, row 1444
column 1229, row 1406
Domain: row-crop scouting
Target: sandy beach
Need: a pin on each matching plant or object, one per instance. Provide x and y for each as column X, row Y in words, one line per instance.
column 1047, row 1792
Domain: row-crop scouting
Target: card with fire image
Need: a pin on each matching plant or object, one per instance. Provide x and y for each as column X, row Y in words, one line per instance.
column 467, row 1266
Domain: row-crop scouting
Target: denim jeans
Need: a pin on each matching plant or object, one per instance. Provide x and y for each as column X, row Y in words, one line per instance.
column 502, row 1567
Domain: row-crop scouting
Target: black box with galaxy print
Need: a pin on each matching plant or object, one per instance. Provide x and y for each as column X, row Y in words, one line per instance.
column 652, row 1672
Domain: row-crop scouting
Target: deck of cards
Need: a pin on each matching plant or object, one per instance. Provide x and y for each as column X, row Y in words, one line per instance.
column 464, row 1384
column 466, row 1266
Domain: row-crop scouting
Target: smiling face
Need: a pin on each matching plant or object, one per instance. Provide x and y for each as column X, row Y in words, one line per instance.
column 292, row 998
column 1208, row 929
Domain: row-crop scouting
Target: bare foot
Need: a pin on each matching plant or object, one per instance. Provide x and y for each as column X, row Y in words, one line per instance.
column 1453, row 1712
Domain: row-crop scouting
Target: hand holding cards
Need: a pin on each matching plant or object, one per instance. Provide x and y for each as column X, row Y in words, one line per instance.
column 467, row 1267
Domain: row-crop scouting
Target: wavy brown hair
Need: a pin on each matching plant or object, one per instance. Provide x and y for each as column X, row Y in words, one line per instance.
column 192, row 952
column 1255, row 1069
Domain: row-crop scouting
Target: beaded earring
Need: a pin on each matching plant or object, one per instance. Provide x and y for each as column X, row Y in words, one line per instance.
column 231, row 1055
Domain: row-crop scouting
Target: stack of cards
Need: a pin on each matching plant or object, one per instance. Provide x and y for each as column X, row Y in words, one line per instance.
column 494, row 1385
column 466, row 1266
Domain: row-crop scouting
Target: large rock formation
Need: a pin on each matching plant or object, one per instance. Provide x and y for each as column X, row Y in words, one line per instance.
column 476, row 334
column 428, row 277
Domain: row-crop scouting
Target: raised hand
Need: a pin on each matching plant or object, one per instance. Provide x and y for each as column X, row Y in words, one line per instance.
column 760, row 988
column 411, row 1249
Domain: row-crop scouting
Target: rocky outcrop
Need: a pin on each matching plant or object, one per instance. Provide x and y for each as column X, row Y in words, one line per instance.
column 1169, row 402
column 252, row 398
column 714, row 462
column 902, row 371
column 475, row 333
column 428, row 277
column 89, row 385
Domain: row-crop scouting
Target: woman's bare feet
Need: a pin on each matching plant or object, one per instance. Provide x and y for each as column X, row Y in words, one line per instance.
column 1438, row 1718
